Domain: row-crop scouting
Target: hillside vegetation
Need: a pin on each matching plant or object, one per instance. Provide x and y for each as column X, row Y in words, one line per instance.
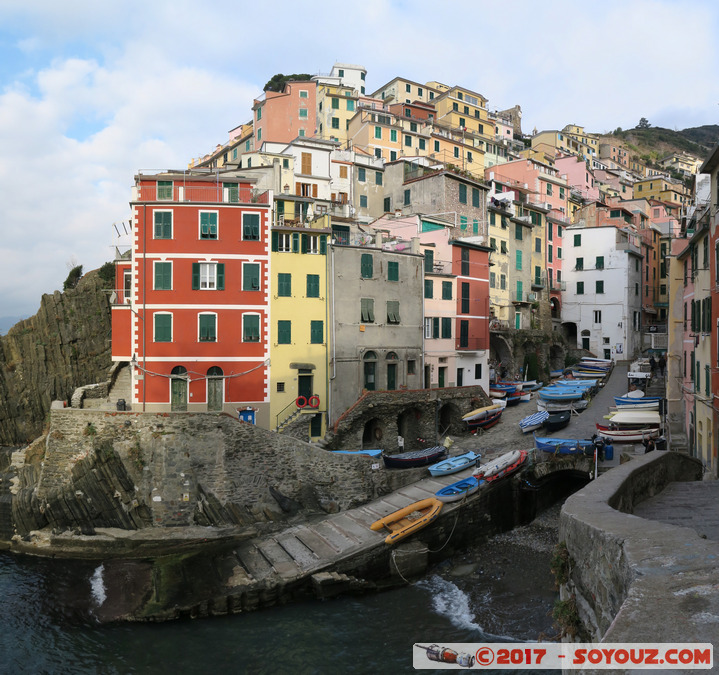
column 650, row 144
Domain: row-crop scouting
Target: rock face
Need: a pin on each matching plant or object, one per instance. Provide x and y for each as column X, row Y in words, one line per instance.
column 44, row 358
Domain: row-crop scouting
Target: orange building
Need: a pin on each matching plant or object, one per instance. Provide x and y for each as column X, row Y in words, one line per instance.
column 280, row 117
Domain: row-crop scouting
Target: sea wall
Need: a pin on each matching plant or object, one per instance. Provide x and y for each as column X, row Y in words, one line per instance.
column 632, row 579
column 133, row 470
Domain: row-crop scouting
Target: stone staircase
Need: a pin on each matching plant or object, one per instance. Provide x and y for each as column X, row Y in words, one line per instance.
column 121, row 389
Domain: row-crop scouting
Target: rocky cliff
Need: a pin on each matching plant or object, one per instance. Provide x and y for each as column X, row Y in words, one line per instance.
column 44, row 358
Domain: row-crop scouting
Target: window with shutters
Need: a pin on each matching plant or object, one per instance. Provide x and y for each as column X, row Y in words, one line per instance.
column 580, row 288
column 577, row 239
column 335, row 123
column 392, row 271
column 428, row 261
column 464, row 306
column 231, row 191
column 597, row 316
column 550, row 253
column 600, row 262
column 366, row 266
column 361, row 175
column 367, row 310
column 251, row 328
column 436, row 146
column 164, row 190
column 284, row 332
column 503, row 282
column 599, row 286
column 162, row 327
column 446, row 290
column 378, row 178
column 427, row 328
column 475, row 197
column 335, row 104
column 313, row 285
column 580, row 264
column 251, row 226
column 207, row 327
column 163, row 276
column 537, row 245
column 518, row 233
column 393, row 135
column 464, row 334
column 363, row 201
column 343, row 172
column 464, row 262
column 406, row 197
column 306, row 159
column 284, row 242
column 392, row 311
column 502, row 246
column 446, row 327
column 317, row 332
column 208, row 224
column 518, row 260
column 284, row 285
column 408, row 141
column 303, row 113
column 250, row 277
column 208, row 276
column 428, row 288
column 462, row 193
column 163, row 224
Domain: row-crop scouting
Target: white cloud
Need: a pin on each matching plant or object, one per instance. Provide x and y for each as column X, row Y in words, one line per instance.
column 94, row 92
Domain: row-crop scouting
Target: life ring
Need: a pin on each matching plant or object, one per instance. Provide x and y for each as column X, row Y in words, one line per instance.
column 314, row 401
column 301, row 402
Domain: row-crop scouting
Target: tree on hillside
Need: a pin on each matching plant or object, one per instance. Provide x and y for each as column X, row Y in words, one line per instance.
column 643, row 123
column 277, row 82
column 73, row 278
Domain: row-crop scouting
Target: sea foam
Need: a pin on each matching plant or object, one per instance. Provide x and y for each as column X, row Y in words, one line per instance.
column 97, row 586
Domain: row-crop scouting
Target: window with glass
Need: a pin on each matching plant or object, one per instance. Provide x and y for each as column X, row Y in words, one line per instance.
column 251, row 328
column 208, row 224
column 251, row 226
column 164, row 190
column 250, row 277
column 163, row 224
column 208, row 327
column 208, row 276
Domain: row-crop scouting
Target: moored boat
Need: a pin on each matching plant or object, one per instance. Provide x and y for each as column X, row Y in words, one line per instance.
column 637, row 400
column 459, row 490
column 481, row 413
column 487, row 422
column 554, row 406
column 454, row 464
column 514, row 399
column 412, row 458
column 410, row 519
column 503, row 466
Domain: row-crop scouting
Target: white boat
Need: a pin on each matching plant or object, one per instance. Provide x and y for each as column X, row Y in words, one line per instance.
column 627, row 435
column 481, row 413
column 556, row 406
column 637, row 418
column 533, row 422
column 502, row 466
column 646, row 405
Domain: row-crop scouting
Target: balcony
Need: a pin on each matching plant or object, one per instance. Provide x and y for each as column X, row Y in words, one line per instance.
column 539, row 282
column 471, row 344
column 558, row 286
column 213, row 194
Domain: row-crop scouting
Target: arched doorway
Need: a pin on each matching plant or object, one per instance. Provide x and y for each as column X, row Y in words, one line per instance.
column 408, row 427
column 392, row 360
column 449, row 420
column 370, row 370
column 215, row 389
column 178, row 389
column 372, row 434
column 554, row 307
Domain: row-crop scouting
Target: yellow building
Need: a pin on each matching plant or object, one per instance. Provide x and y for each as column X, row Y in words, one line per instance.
column 572, row 140
column 336, row 106
column 402, row 90
column 377, row 133
column 662, row 188
column 299, row 328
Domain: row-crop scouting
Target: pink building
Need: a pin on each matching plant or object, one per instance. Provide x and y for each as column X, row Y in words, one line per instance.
column 578, row 176
column 280, row 117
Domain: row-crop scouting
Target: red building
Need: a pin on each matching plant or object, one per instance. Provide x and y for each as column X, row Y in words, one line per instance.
column 191, row 315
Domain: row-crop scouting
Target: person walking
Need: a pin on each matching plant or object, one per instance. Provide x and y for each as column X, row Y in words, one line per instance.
column 653, row 364
column 662, row 364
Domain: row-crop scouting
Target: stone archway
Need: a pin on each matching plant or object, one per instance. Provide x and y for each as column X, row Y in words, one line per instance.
column 409, row 423
column 556, row 358
column 450, row 421
column 372, row 434
column 500, row 353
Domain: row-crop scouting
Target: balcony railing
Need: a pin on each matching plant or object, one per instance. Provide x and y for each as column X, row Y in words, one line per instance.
column 558, row 286
column 215, row 194
column 524, row 297
column 540, row 281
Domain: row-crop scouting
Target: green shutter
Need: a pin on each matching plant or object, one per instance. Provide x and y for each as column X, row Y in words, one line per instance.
column 305, row 243
column 446, row 290
column 295, row 242
column 275, row 241
column 462, row 193
column 519, row 260
column 284, row 332
column 313, row 285
column 393, row 271
column 323, row 244
column 220, row 276
column 428, row 288
column 195, row 276
column 435, row 327
column 317, row 332
column 284, row 285
column 475, row 197
column 428, row 261
column 163, row 328
column 446, row 327
column 367, row 266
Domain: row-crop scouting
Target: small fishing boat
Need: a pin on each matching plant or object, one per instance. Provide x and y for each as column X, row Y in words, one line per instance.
column 555, row 406
column 459, row 490
column 486, row 423
column 514, row 399
column 561, row 394
column 525, row 396
column 627, row 435
column 359, row 453
column 563, row 445
column 454, row 464
column 636, row 400
column 506, row 388
column 503, row 466
column 412, row 458
column 533, row 386
column 640, row 405
column 408, row 520
column 557, row 420
column 481, row 413
column 533, row 422
column 497, row 393
column 634, row 418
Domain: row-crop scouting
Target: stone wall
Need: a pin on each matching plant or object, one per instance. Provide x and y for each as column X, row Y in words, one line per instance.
column 423, row 417
column 621, row 565
column 133, row 470
column 44, row 358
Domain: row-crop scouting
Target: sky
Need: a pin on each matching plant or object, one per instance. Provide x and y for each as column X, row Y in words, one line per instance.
column 93, row 92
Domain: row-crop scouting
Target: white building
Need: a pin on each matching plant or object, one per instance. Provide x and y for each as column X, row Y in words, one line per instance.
column 602, row 268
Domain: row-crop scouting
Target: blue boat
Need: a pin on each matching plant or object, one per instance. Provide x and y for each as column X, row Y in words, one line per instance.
column 454, row 464
column 359, row 453
column 459, row 490
column 627, row 400
column 561, row 393
column 563, row 445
